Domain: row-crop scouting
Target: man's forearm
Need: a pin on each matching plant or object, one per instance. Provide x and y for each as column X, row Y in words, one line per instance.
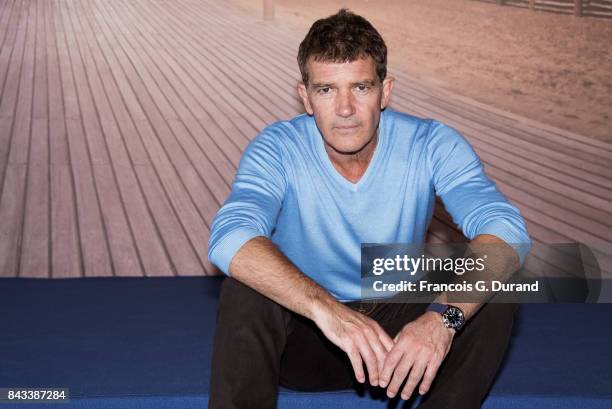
column 501, row 264
column 263, row 267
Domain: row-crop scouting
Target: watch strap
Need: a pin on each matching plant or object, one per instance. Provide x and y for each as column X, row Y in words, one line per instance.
column 437, row 307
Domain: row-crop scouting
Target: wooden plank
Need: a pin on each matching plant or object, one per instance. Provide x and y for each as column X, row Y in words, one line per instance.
column 11, row 213
column 70, row 104
column 95, row 139
column 6, row 11
column 54, row 78
column 35, row 253
column 12, row 195
column 125, row 258
column 93, row 238
column 20, row 140
column 66, row 254
column 40, row 100
column 155, row 258
column 11, row 60
column 6, row 125
column 177, row 245
column 9, row 24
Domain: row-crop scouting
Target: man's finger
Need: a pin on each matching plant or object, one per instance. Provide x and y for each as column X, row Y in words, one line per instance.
column 393, row 358
column 357, row 364
column 400, row 373
column 370, row 358
column 430, row 375
column 380, row 350
column 416, row 373
column 384, row 338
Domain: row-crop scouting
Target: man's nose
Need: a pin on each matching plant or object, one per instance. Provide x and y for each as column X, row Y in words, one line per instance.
column 345, row 103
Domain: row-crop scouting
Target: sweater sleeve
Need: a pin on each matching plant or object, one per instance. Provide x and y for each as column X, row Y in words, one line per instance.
column 254, row 202
column 471, row 198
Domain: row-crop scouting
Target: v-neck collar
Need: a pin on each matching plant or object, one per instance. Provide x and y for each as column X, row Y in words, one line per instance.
column 331, row 169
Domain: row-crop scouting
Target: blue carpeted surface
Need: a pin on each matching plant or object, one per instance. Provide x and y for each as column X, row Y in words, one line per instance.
column 146, row 343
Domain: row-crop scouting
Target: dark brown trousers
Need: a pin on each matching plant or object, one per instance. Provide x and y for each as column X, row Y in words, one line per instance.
column 260, row 345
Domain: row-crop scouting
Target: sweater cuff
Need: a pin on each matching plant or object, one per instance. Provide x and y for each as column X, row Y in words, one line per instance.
column 226, row 249
column 519, row 242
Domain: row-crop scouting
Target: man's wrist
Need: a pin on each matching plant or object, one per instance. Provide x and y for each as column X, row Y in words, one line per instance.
column 452, row 316
column 321, row 306
column 439, row 321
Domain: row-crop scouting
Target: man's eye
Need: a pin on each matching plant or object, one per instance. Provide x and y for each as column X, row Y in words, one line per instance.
column 324, row 90
column 362, row 87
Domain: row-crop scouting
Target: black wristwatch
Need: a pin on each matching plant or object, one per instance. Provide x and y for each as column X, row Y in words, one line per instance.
column 451, row 315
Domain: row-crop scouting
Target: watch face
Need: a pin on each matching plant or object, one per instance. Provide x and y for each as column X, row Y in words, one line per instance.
column 453, row 317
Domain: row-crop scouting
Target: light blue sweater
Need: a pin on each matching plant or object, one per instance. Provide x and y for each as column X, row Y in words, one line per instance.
column 287, row 189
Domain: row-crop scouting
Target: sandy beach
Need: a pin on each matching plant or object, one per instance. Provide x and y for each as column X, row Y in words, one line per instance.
column 556, row 69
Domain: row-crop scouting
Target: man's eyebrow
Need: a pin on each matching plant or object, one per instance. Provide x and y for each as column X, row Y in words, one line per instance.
column 322, row 85
column 330, row 84
column 364, row 82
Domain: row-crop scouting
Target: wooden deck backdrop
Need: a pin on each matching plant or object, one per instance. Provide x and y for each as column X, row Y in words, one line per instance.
column 579, row 8
column 122, row 123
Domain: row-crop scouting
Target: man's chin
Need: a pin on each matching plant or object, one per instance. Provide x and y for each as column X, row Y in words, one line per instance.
column 348, row 150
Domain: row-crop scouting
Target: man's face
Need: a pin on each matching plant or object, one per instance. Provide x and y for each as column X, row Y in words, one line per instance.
column 346, row 100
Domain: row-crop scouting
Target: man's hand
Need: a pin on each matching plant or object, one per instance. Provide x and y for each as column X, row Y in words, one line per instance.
column 359, row 336
column 418, row 351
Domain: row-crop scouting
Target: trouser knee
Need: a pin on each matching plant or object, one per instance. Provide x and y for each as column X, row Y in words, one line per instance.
column 240, row 306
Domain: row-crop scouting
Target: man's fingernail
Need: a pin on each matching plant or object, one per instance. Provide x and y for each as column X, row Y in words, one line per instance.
column 383, row 384
column 405, row 397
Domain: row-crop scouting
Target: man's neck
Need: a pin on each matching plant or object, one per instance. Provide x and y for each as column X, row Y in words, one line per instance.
column 352, row 166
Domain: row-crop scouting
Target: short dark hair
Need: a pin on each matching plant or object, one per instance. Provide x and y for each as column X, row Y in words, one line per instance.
column 343, row 37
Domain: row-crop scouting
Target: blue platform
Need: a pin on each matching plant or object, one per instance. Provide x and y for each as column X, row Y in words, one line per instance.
column 146, row 343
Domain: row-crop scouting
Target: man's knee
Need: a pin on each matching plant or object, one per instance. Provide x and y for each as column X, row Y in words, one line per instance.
column 241, row 305
column 494, row 316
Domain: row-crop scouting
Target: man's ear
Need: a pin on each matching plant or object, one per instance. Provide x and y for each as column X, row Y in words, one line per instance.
column 301, row 89
column 387, row 87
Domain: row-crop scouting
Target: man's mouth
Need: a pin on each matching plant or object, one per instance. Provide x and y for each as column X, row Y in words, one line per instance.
column 346, row 129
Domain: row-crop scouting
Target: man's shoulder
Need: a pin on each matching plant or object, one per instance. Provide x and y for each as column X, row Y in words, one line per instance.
column 431, row 130
column 285, row 131
column 403, row 125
